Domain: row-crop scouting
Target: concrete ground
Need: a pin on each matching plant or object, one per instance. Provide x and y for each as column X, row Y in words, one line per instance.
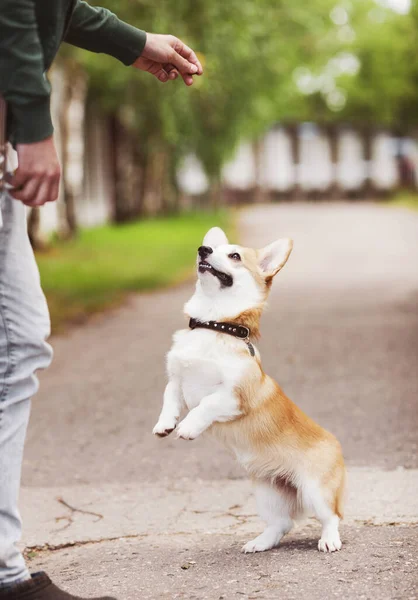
column 109, row 508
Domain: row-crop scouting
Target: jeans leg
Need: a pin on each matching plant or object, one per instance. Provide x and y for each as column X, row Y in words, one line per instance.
column 24, row 327
column 13, row 425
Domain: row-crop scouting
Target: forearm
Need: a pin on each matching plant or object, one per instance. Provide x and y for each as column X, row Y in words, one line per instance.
column 99, row 30
column 22, row 80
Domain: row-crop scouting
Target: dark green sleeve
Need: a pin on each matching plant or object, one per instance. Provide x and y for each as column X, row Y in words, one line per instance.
column 22, row 80
column 99, row 30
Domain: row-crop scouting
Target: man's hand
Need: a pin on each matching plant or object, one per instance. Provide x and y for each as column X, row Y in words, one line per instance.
column 36, row 180
column 165, row 56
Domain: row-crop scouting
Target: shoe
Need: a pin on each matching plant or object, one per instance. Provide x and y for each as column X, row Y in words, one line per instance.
column 40, row 587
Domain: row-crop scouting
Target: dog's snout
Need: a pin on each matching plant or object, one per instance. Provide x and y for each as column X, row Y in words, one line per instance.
column 204, row 251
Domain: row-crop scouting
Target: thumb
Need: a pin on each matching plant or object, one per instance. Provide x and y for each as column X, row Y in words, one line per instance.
column 184, row 66
column 17, row 179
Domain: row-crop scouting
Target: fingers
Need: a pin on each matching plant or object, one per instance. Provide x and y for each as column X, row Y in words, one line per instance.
column 166, row 57
column 166, row 72
column 35, row 190
column 162, row 75
column 171, row 71
column 188, row 79
column 189, row 55
column 44, row 195
column 161, row 72
column 55, row 188
column 18, row 179
column 184, row 65
column 27, row 192
column 36, row 181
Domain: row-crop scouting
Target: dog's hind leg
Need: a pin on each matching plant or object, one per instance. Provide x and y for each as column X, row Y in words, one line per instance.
column 326, row 510
column 275, row 507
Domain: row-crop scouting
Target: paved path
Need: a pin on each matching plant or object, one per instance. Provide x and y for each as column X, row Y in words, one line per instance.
column 341, row 337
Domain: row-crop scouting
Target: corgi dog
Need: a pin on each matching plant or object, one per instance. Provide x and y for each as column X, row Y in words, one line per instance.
column 214, row 371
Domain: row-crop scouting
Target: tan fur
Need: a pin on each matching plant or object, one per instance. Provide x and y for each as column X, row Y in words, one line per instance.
column 250, row 319
column 297, row 466
column 280, row 437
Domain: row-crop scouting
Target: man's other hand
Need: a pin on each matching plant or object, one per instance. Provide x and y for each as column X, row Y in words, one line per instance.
column 165, row 56
column 36, row 180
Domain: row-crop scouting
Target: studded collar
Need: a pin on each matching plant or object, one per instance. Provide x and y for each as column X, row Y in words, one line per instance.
column 238, row 331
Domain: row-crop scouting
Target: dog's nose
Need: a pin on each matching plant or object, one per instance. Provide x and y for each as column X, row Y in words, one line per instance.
column 204, row 251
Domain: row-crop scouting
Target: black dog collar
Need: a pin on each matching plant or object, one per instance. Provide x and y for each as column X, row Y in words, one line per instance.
column 238, row 331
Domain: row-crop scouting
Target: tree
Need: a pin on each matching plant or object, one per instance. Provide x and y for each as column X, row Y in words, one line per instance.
column 249, row 48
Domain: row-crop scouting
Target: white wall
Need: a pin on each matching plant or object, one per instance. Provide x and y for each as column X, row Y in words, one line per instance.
column 315, row 170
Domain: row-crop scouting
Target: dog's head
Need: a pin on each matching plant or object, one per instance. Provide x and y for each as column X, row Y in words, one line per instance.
column 233, row 279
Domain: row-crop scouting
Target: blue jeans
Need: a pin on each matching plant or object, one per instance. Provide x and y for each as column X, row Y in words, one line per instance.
column 24, row 327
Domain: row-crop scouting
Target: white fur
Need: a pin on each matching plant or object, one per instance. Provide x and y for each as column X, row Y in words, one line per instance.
column 212, row 302
column 204, row 369
column 215, row 237
column 275, row 509
column 208, row 373
column 314, row 502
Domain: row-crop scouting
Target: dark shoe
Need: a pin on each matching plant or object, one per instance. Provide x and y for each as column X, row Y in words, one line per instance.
column 40, row 587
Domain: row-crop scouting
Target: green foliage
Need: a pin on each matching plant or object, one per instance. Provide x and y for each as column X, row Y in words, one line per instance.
column 103, row 264
column 383, row 91
column 249, row 50
column 265, row 61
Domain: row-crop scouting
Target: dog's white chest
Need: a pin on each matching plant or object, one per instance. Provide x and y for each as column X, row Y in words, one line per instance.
column 200, row 378
column 201, row 364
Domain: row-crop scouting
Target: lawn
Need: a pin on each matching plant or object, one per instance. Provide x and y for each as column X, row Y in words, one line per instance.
column 99, row 268
column 406, row 199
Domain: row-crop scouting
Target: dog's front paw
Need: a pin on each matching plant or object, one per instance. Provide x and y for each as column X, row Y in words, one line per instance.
column 164, row 428
column 188, row 430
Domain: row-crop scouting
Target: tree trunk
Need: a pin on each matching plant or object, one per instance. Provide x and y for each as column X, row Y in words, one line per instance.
column 367, row 138
column 260, row 192
column 159, row 190
column 333, row 140
column 152, row 196
column 173, row 192
column 129, row 171
column 293, row 132
column 137, row 177
column 121, row 208
column 215, row 194
column 64, row 122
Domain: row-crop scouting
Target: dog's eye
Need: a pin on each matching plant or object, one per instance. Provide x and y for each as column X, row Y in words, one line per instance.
column 234, row 256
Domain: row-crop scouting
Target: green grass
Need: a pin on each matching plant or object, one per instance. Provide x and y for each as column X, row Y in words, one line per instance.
column 99, row 268
column 405, row 199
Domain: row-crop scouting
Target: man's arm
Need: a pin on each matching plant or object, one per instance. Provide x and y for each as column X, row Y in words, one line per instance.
column 99, row 30
column 22, row 81
column 164, row 56
column 27, row 93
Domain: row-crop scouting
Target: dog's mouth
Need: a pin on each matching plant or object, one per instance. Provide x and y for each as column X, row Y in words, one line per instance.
column 225, row 279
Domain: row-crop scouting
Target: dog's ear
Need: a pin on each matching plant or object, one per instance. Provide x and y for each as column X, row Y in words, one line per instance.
column 274, row 256
column 215, row 237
